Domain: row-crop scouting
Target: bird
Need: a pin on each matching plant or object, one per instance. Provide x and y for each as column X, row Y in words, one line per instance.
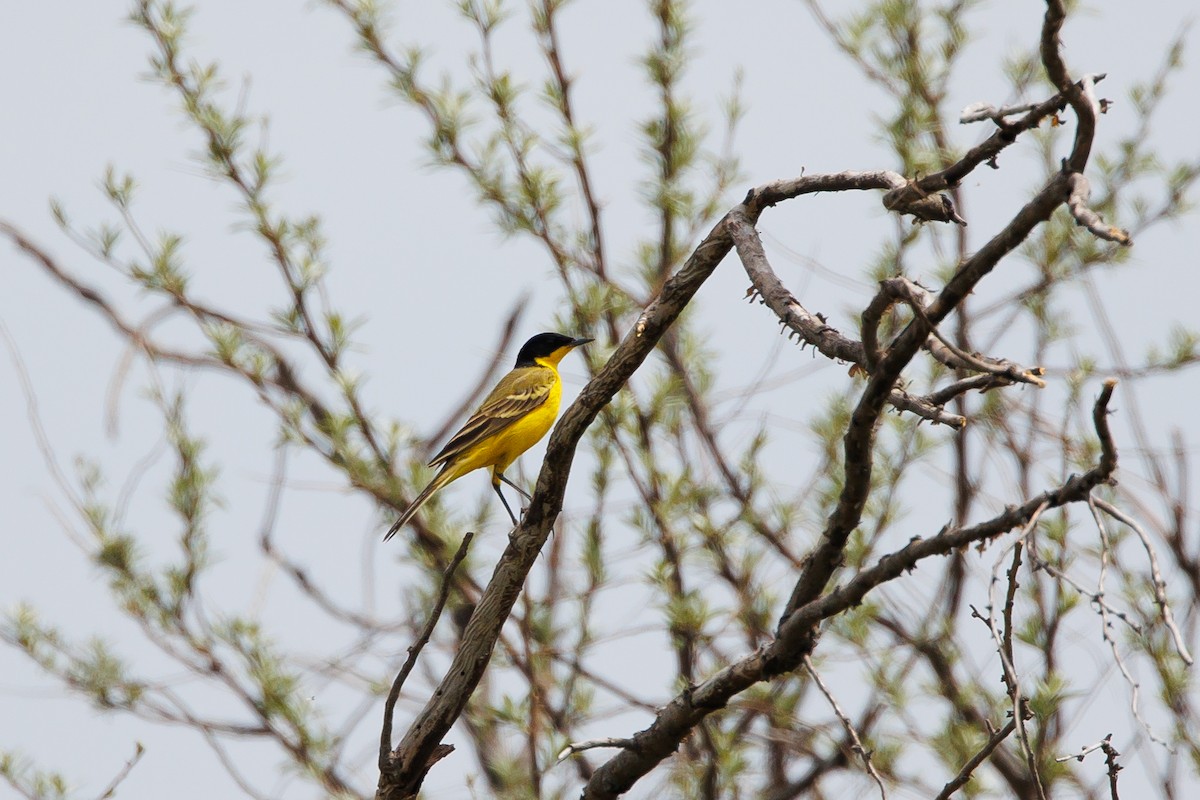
column 512, row 419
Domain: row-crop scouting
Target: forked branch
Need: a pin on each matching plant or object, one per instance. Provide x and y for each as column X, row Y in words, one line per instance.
column 796, row 634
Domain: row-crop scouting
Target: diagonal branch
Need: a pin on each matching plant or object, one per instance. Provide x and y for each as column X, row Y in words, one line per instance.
column 964, row 774
column 419, row 744
column 858, row 748
column 414, row 651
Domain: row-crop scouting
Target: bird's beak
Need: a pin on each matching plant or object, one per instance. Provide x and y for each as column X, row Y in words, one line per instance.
column 580, row 342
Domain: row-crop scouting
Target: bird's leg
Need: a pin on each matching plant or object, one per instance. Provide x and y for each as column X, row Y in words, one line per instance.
column 528, row 496
column 499, row 476
column 500, row 494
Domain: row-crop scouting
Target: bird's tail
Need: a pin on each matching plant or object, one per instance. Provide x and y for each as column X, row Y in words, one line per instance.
column 440, row 480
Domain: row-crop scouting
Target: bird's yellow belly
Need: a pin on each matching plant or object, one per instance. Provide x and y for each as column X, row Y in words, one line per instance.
column 500, row 451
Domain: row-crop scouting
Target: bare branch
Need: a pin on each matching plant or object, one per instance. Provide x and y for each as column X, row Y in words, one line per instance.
column 977, row 112
column 926, row 408
column 953, row 356
column 591, row 744
column 964, row 774
column 386, row 757
column 902, row 290
column 1084, row 216
column 1004, row 647
column 1084, row 751
column 980, row 383
column 1082, row 100
column 848, row 725
column 1160, row 585
column 1110, row 761
column 111, row 789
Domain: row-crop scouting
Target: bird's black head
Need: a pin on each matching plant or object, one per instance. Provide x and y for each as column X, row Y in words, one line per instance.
column 547, row 347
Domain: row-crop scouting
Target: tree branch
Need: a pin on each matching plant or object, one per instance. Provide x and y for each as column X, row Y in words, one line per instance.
column 964, row 774
column 419, row 743
column 797, row 632
column 414, row 651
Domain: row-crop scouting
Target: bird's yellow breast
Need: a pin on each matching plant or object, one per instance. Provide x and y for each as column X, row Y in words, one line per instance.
column 527, row 431
column 498, row 450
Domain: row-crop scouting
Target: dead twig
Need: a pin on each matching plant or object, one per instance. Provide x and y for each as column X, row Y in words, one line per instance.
column 1160, row 585
column 386, row 757
column 862, row 752
column 1077, row 204
column 964, row 774
column 591, row 744
column 111, row 789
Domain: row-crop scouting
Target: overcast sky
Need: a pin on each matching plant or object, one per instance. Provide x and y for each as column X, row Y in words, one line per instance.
column 422, row 266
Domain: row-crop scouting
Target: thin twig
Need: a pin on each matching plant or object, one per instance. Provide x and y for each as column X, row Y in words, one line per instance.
column 964, row 774
column 1004, row 644
column 1105, row 625
column 863, row 753
column 111, row 789
column 389, row 706
column 1110, row 760
column 1098, row 598
column 1160, row 585
column 1084, row 751
column 591, row 744
column 1110, row 640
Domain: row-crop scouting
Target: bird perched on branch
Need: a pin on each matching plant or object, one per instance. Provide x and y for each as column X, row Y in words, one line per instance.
column 513, row 418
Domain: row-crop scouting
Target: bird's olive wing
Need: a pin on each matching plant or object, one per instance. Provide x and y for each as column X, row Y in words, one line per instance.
column 518, row 393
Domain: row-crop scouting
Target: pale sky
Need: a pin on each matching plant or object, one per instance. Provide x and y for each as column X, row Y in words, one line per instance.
column 415, row 258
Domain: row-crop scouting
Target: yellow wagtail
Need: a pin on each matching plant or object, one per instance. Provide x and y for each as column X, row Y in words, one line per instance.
column 513, row 418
